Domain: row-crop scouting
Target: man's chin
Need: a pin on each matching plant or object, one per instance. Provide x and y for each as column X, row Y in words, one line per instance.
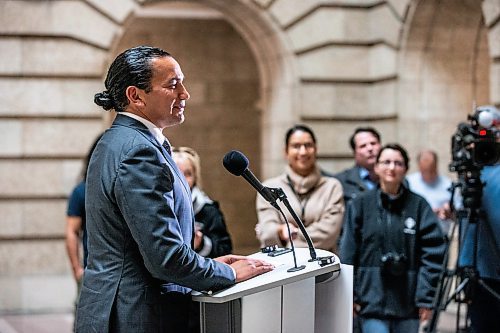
column 178, row 121
column 370, row 164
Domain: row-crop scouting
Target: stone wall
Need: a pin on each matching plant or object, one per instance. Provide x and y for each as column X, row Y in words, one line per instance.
column 53, row 55
column 409, row 68
column 221, row 115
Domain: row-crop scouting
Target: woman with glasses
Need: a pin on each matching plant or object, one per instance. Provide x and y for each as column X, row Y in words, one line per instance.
column 315, row 198
column 394, row 241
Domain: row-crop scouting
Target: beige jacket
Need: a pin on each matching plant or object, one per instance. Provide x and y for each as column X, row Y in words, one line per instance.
column 316, row 199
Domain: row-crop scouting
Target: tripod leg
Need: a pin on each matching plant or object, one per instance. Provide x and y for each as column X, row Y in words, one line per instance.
column 440, row 300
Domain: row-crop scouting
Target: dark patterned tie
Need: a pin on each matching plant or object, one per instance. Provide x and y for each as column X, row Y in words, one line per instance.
column 167, row 147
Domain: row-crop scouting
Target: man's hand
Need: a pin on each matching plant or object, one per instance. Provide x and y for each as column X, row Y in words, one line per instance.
column 355, row 309
column 444, row 212
column 198, row 237
column 78, row 273
column 245, row 267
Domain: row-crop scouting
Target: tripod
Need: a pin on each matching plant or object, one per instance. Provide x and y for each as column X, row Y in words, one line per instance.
column 448, row 278
column 469, row 219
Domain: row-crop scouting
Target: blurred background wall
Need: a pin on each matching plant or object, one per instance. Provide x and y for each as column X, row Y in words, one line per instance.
column 412, row 69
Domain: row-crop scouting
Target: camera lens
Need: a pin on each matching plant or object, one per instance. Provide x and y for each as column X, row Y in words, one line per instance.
column 393, row 264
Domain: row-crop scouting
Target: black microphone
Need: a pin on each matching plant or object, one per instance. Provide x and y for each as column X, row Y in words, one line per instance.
column 237, row 163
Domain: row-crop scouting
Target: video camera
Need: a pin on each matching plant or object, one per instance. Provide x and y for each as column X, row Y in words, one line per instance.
column 474, row 145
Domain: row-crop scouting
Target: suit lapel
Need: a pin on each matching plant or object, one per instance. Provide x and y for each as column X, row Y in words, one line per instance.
column 143, row 130
column 359, row 182
column 174, row 167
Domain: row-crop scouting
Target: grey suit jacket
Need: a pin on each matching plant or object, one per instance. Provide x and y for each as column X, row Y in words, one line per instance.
column 352, row 184
column 140, row 226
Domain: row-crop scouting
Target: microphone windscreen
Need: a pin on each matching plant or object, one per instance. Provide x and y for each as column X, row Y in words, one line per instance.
column 235, row 162
column 485, row 119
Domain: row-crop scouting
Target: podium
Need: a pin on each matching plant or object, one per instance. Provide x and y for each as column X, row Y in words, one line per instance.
column 315, row 299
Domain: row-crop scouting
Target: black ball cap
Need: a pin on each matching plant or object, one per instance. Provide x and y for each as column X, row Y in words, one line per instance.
column 235, row 162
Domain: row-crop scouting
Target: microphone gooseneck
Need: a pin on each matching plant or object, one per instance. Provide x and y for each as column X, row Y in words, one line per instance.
column 237, row 163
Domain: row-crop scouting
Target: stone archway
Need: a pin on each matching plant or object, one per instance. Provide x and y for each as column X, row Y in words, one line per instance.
column 278, row 80
column 231, row 92
column 445, row 67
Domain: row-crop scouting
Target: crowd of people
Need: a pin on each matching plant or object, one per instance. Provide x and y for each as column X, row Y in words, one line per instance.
column 154, row 234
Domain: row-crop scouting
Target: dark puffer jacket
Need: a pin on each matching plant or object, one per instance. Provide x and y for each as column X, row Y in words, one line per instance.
column 376, row 225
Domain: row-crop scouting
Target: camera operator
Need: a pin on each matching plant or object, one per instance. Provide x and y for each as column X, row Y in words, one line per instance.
column 395, row 243
column 480, row 253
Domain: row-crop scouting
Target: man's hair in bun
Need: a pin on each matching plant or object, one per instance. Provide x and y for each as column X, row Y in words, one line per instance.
column 104, row 100
column 130, row 68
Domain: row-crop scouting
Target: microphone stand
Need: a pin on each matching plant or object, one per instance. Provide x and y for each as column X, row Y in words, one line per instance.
column 278, row 193
column 295, row 268
column 272, row 195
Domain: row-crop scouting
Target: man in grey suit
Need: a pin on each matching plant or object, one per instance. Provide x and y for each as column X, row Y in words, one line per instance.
column 365, row 144
column 141, row 267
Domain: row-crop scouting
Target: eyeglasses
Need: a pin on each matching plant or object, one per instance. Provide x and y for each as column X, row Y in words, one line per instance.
column 387, row 163
column 307, row 146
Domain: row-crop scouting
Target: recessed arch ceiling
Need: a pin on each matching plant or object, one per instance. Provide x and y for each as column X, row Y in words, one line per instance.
column 180, row 10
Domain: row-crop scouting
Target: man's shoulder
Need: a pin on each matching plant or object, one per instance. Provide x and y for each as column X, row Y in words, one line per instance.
column 79, row 187
column 347, row 173
column 444, row 180
column 414, row 178
column 125, row 133
column 122, row 139
column 78, row 192
column 413, row 175
column 368, row 195
column 331, row 181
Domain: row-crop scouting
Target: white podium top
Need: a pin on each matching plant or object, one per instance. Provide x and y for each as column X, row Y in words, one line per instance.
column 277, row 277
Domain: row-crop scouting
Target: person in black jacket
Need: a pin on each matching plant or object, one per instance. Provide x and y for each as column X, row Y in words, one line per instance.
column 395, row 243
column 211, row 235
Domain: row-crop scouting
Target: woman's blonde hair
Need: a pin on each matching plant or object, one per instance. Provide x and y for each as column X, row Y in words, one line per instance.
column 192, row 156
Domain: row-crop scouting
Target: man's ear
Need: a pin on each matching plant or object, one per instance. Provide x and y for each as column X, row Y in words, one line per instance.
column 135, row 96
